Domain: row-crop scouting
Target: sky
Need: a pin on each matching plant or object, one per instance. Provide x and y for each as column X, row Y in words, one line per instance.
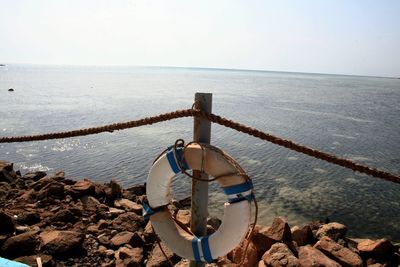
column 360, row 37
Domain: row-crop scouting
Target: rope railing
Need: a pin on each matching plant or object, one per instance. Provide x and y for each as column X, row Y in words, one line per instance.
column 215, row 119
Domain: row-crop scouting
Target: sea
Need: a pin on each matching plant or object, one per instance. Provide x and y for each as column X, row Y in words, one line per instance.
column 354, row 117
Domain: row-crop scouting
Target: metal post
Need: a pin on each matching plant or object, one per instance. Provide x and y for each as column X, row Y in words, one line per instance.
column 201, row 134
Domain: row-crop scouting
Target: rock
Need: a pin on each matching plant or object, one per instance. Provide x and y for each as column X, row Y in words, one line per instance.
column 130, row 256
column 20, row 245
column 7, row 173
column 128, row 221
column 28, row 218
column 342, row 255
column 312, row 257
column 138, row 190
column 302, row 236
column 46, row 260
column 90, row 202
column 64, row 215
column 332, row 230
column 56, row 242
column 53, row 189
column 148, row 234
column 214, row 222
column 279, row 230
column 113, row 191
column 128, row 205
column 184, row 217
column 157, row 258
column 250, row 258
column 122, row 238
column 34, row 176
column 280, row 255
column 379, row 248
column 83, row 187
column 261, row 240
column 7, row 224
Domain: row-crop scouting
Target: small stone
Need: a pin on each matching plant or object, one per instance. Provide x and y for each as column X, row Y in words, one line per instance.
column 121, row 238
column 214, row 222
column 342, row 255
column 157, row 258
column 309, row 256
column 7, row 173
column 64, row 216
column 280, row 255
column 128, row 205
column 332, row 230
column 31, row 260
column 113, row 191
column 90, row 202
column 280, row 230
column 128, row 221
column 130, row 256
column 83, row 187
column 53, row 189
column 34, row 176
column 28, row 218
column 184, row 217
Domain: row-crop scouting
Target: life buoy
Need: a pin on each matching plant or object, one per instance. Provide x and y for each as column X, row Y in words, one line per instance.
column 236, row 218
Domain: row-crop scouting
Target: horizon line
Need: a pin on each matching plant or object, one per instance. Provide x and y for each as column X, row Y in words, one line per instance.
column 200, row 68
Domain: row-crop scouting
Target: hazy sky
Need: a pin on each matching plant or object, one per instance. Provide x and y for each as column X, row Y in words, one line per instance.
column 338, row 36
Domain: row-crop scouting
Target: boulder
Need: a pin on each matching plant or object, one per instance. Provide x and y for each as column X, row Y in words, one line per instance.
column 332, row 230
column 122, row 238
column 34, row 176
column 157, row 258
column 378, row 248
column 7, row 224
column 128, row 205
column 20, row 245
column 280, row 255
column 344, row 256
column 129, row 256
column 56, row 242
column 46, row 260
column 279, row 230
column 302, row 236
column 28, row 218
column 261, row 240
column 7, row 173
column 249, row 259
column 83, row 187
column 90, row 202
column 312, row 257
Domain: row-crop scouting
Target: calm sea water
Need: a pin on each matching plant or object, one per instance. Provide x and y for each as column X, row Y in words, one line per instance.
column 353, row 117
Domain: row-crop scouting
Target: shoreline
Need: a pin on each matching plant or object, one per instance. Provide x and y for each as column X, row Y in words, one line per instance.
column 84, row 223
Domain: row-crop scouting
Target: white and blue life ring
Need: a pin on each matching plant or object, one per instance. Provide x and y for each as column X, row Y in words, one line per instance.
column 236, row 218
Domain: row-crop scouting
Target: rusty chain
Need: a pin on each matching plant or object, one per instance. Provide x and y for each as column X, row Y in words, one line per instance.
column 215, row 119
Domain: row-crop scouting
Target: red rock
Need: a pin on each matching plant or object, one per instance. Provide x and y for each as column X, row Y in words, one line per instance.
column 7, row 173
column 332, row 230
column 250, row 259
column 53, row 189
column 7, row 224
column 130, row 256
column 84, row 186
column 60, row 241
column 184, row 217
column 157, row 258
column 28, row 218
column 261, row 240
column 128, row 221
column 122, row 238
column 312, row 257
column 342, row 255
column 279, row 230
column 280, row 255
column 302, row 236
column 148, row 234
column 90, row 202
column 113, row 191
column 380, row 247
column 20, row 245
column 46, row 260
column 34, row 176
column 128, row 205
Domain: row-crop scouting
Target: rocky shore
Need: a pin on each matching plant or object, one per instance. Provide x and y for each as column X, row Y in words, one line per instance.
column 62, row 222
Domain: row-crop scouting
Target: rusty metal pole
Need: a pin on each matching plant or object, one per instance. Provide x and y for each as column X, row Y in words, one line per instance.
column 201, row 134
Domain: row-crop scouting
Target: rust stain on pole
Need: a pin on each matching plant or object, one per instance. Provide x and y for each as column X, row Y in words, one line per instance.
column 199, row 209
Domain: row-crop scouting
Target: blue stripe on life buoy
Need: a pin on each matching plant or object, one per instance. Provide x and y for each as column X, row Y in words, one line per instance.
column 205, row 246
column 239, row 188
column 172, row 162
column 172, row 159
column 195, row 248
